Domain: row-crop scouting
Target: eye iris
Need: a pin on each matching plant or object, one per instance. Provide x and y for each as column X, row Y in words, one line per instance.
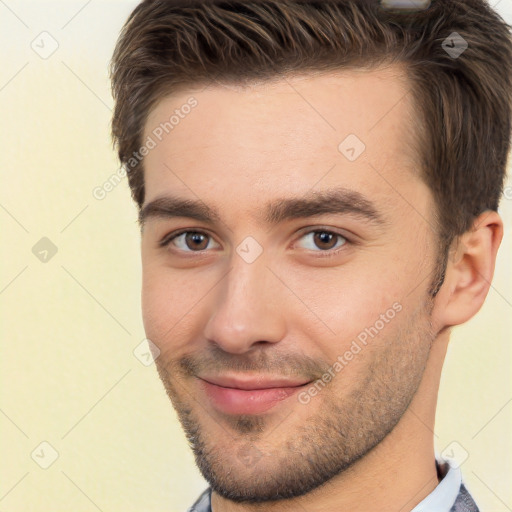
column 196, row 241
column 199, row 241
column 323, row 237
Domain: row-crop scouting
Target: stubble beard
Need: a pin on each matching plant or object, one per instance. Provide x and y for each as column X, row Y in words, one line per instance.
column 245, row 460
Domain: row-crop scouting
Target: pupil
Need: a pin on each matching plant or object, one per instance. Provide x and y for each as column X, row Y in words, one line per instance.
column 324, row 238
column 196, row 239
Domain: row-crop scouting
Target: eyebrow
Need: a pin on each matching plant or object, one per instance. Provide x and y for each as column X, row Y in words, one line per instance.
column 333, row 201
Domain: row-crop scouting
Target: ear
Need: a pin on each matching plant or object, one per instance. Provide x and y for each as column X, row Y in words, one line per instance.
column 469, row 271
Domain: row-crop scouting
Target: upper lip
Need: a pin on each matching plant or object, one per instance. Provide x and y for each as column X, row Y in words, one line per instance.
column 254, row 382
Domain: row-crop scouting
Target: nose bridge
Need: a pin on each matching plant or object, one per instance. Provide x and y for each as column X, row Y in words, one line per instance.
column 243, row 310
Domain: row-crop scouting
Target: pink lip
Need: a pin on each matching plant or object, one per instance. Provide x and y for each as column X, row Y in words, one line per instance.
column 249, row 396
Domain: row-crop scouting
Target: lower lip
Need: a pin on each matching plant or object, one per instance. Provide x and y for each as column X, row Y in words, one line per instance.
column 247, row 401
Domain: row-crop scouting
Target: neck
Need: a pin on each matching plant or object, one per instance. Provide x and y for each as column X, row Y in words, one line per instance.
column 395, row 475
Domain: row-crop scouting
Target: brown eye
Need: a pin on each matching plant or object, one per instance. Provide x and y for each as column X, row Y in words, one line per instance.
column 196, row 241
column 323, row 240
column 190, row 241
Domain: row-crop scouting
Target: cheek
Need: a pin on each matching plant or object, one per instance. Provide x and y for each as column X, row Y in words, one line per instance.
column 168, row 302
column 155, row 311
column 175, row 305
column 343, row 302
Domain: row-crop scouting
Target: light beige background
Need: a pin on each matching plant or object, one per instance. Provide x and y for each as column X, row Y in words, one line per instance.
column 70, row 325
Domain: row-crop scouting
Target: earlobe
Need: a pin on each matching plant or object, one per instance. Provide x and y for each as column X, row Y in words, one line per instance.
column 469, row 270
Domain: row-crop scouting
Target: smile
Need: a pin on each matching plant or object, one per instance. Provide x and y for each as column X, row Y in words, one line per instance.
column 232, row 396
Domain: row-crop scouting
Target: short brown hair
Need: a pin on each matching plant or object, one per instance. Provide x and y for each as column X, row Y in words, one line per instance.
column 464, row 102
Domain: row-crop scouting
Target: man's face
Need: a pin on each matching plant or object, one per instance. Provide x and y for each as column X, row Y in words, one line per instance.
column 285, row 279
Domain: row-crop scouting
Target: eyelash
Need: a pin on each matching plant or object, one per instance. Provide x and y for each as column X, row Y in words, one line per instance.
column 166, row 241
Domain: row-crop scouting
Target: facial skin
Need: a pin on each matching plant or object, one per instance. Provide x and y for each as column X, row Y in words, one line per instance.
column 364, row 441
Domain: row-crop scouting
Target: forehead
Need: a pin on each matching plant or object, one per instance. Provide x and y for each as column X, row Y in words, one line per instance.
column 285, row 132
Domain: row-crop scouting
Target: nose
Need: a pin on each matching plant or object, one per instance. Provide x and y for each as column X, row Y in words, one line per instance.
column 246, row 308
